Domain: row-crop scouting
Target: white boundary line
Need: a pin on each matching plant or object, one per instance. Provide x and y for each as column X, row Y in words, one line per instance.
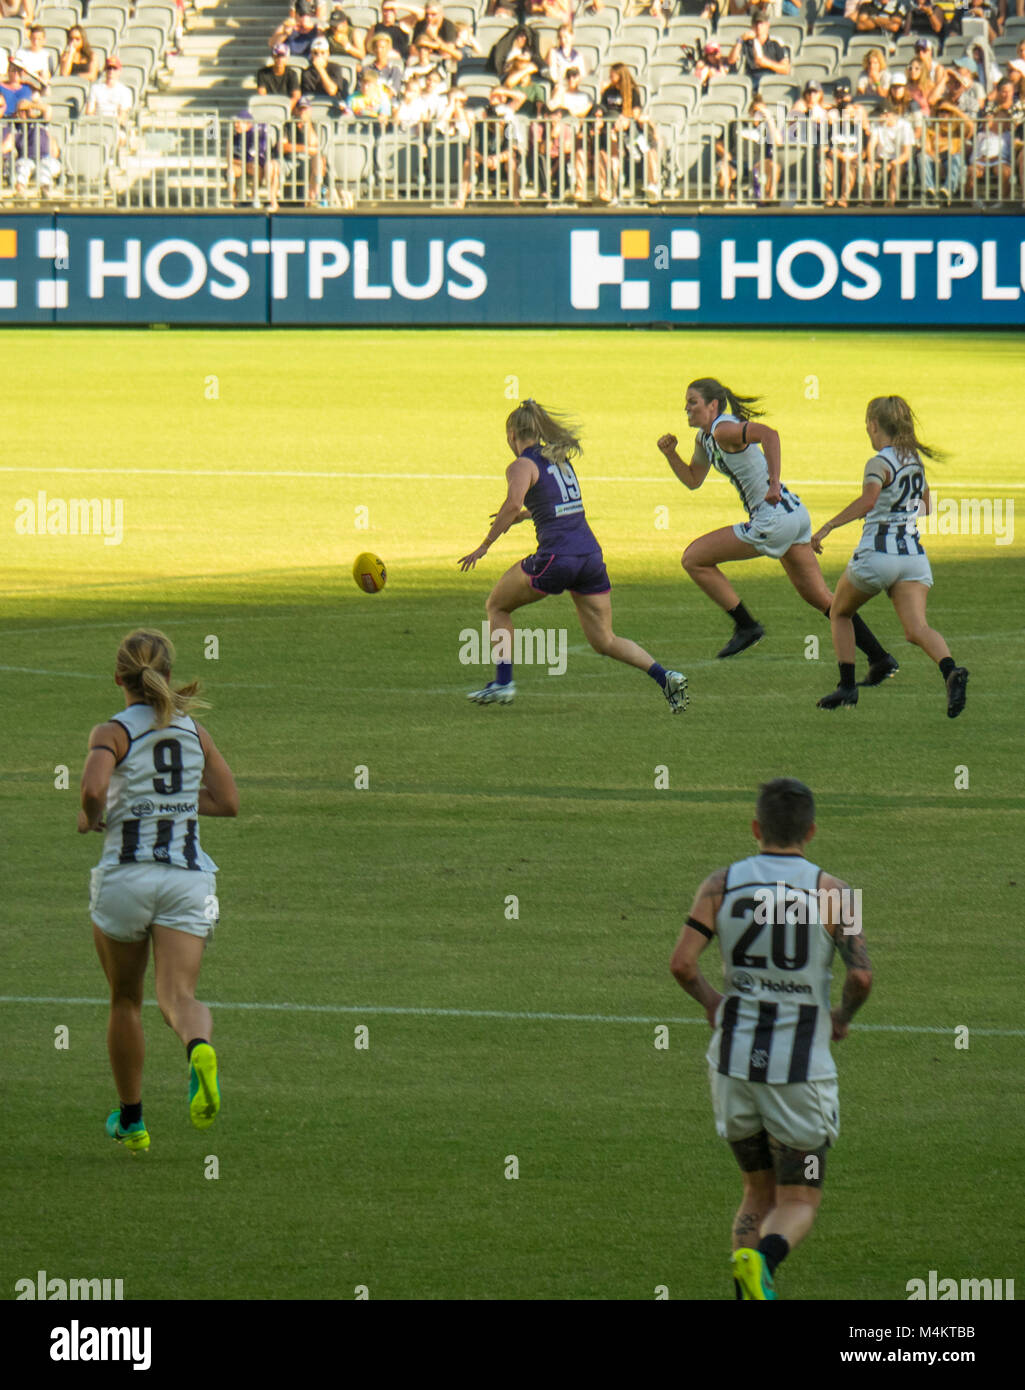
column 501, row 1014
column 426, row 477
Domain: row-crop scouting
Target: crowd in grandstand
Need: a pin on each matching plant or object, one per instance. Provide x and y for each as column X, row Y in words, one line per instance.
column 891, row 96
column 910, row 116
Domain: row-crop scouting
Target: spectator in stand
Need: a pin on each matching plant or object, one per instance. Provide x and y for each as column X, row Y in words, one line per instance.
column 757, row 141
column 466, row 42
column 436, row 33
column 374, row 99
column 898, row 95
column 569, row 105
column 410, row 110
column 972, row 98
column 976, row 9
column 34, row 59
column 418, row 63
column 497, row 145
column 301, row 146
column 342, row 39
column 297, row 34
column 808, row 127
column 987, row 72
column 761, row 53
column 993, row 153
column 551, row 11
column 881, row 16
column 277, row 79
column 919, row 92
column 849, row 134
column 436, row 101
column 564, row 54
column 18, row 9
column 874, row 82
column 1016, row 70
column 77, row 57
column 515, row 41
column 253, row 151
column 323, row 78
column 927, row 19
column 623, row 130
column 945, row 139
column 711, row 63
column 34, row 147
column 14, row 88
column 389, row 24
column 934, row 74
column 110, row 97
column 381, row 62
column 889, row 151
column 521, row 90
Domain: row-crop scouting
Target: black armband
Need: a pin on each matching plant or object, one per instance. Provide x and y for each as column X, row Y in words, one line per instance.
column 743, row 432
column 699, row 926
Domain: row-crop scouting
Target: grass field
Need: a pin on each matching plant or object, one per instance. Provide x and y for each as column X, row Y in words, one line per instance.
column 386, row 908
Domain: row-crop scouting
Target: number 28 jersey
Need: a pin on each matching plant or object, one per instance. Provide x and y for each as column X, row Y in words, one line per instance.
column 774, row 1022
column 557, row 509
column 153, row 798
column 891, row 527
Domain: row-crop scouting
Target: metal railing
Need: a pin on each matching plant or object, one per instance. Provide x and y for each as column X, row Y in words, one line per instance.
column 201, row 161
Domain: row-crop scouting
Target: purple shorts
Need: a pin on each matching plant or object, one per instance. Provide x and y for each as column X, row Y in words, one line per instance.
column 554, row 574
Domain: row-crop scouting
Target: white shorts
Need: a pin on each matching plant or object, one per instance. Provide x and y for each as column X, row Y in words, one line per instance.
column 873, row 570
column 804, row 1115
column 125, row 900
column 773, row 530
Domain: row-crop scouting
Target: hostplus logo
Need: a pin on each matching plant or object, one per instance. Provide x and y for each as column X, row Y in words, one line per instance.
column 630, row 267
column 51, row 288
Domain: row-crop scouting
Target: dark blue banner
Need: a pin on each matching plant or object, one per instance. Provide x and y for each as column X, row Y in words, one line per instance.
column 766, row 269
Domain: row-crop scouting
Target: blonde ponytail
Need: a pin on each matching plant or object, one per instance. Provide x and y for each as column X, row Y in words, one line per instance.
column 895, row 417
column 557, row 435
column 144, row 662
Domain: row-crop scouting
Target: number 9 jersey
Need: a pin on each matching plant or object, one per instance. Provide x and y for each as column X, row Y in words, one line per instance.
column 153, row 799
column 774, row 1022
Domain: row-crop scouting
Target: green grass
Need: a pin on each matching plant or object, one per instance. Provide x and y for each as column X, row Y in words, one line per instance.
column 385, row 1167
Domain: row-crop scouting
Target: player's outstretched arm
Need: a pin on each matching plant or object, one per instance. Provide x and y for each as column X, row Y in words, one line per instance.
column 847, row 932
column 520, row 476
column 218, row 796
column 692, row 474
column 854, row 511
column 697, row 932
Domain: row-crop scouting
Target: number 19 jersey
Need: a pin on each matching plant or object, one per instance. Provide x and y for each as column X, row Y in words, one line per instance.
column 557, row 509
column 153, row 798
column 774, row 1022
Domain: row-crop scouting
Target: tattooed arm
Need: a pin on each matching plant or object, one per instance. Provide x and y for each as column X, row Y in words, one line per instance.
column 850, row 944
column 697, row 933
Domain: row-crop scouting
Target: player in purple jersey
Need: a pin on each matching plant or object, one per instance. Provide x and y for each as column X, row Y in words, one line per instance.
column 543, row 487
column 778, row 524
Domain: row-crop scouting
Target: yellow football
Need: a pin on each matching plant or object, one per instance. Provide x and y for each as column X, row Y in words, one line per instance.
column 369, row 573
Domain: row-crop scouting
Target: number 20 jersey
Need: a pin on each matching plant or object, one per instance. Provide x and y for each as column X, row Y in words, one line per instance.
column 153, row 798
column 773, row 1023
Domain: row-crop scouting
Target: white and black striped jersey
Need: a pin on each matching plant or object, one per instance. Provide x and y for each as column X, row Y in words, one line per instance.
column 747, row 470
column 892, row 524
column 773, row 1023
column 153, row 798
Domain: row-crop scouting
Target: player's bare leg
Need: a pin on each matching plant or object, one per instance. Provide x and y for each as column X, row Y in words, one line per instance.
column 595, row 614
column 793, row 1215
column 124, row 964
column 803, row 571
column 757, row 1202
column 701, row 560
column 846, row 601
column 513, row 590
column 177, row 956
column 909, row 600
